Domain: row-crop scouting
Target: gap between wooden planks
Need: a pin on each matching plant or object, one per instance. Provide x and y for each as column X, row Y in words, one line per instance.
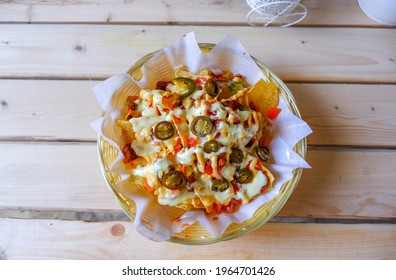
column 54, row 239
column 320, row 13
column 353, row 55
column 339, row 114
column 66, row 177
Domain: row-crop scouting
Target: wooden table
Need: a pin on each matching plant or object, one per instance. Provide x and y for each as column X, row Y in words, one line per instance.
column 54, row 202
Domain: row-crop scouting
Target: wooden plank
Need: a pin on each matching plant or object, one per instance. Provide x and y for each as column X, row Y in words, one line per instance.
column 339, row 114
column 349, row 115
column 48, row 110
column 338, row 12
column 295, row 54
column 53, row 176
column 345, row 183
column 341, row 183
column 55, row 239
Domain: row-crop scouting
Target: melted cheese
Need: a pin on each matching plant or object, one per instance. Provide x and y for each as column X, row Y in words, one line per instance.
column 231, row 129
column 173, row 198
column 186, row 156
column 249, row 190
column 144, row 150
column 139, row 123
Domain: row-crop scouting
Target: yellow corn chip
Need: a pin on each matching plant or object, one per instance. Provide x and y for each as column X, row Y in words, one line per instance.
column 263, row 95
column 127, row 127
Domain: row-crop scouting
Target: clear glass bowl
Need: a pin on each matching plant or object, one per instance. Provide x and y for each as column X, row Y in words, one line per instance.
column 197, row 234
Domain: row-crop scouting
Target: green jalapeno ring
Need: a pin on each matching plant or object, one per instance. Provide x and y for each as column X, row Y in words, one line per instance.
column 201, row 126
column 263, row 153
column 211, row 87
column 220, row 185
column 243, row 176
column 174, row 180
column 211, row 146
column 236, row 155
column 164, row 130
column 191, row 86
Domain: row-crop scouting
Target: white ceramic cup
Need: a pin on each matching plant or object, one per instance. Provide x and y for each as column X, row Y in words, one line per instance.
column 381, row 11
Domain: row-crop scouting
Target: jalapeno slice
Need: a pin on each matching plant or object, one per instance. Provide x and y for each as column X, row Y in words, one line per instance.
column 263, row 153
column 164, row 130
column 220, row 185
column 211, row 87
column 191, row 86
column 234, row 87
column 211, row 146
column 236, row 155
column 174, row 180
column 201, row 126
column 243, row 176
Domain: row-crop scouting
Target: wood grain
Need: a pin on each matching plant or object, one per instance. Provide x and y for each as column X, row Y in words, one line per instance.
column 339, row 114
column 48, row 110
column 98, row 51
column 348, row 115
column 324, row 13
column 52, row 176
column 66, row 177
column 54, row 239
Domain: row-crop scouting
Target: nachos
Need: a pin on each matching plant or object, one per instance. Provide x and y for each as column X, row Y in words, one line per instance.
column 200, row 141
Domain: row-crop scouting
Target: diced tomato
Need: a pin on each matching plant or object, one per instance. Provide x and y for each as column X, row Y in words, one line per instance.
column 236, row 120
column 208, row 170
column 232, row 206
column 216, row 121
column 208, row 167
column 213, row 113
column 218, row 207
column 273, row 113
column 259, row 167
column 218, row 134
column 221, row 161
column 220, row 78
column 200, row 80
column 191, row 178
column 178, row 145
column 192, row 141
column 229, row 208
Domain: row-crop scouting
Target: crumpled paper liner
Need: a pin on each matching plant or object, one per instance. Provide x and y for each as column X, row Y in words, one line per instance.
column 159, row 222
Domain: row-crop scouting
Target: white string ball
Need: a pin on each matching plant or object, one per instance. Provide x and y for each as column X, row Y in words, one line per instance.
column 282, row 13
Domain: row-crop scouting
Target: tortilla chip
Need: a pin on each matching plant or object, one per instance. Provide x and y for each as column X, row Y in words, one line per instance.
column 263, row 95
column 127, row 127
